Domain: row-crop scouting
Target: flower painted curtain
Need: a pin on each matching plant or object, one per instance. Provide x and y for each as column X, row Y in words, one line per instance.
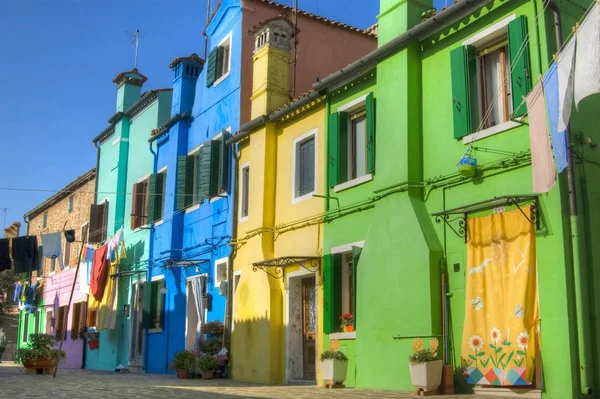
column 501, row 318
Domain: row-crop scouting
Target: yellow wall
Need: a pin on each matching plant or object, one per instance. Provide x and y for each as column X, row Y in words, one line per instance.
column 258, row 350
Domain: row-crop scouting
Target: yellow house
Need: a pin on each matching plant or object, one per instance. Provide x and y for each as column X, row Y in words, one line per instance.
column 279, row 237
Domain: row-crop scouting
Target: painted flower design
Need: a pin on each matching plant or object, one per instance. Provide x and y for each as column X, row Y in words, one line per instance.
column 496, row 335
column 523, row 340
column 477, row 303
column 476, row 343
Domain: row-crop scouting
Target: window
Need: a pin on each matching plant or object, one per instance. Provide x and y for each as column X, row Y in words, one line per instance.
column 304, row 166
column 351, row 142
column 71, row 200
column 220, row 271
column 153, row 305
column 67, row 254
column 36, row 328
column 204, row 173
column 90, row 318
column 490, row 77
column 156, row 187
column 340, row 274
column 25, row 334
column 219, row 62
column 139, row 207
column 76, row 320
column 49, row 322
column 45, row 220
column 98, row 222
column 245, row 197
column 84, row 232
column 61, row 332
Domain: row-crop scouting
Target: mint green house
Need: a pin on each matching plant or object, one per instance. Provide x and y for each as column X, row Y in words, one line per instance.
column 127, row 193
column 396, row 249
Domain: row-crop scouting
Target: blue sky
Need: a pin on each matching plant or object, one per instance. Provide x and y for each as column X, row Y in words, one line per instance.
column 58, row 61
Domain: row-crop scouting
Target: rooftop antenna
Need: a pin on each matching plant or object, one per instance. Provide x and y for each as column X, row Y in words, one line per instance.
column 135, row 38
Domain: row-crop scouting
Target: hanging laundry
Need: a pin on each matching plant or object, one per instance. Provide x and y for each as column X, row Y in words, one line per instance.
column 52, row 247
column 542, row 163
column 99, row 272
column 559, row 141
column 25, row 254
column 5, row 262
column 114, row 245
column 587, row 63
column 566, row 74
column 85, row 269
column 17, row 293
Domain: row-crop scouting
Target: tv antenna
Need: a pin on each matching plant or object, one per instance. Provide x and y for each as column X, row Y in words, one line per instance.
column 135, row 38
column 4, row 210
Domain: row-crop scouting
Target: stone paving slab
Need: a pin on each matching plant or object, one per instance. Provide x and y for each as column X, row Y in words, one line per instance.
column 87, row 384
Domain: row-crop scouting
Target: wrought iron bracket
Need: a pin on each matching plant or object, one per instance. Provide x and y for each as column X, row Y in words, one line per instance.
column 461, row 231
column 276, row 267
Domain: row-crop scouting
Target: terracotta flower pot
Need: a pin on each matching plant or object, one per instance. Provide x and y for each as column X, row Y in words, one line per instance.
column 208, row 374
column 426, row 376
column 39, row 364
column 348, row 328
column 183, row 374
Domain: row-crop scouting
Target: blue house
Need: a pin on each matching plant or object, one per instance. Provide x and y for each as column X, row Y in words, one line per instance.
column 189, row 265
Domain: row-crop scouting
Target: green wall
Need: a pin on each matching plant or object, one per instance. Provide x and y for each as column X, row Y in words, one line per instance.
column 21, row 343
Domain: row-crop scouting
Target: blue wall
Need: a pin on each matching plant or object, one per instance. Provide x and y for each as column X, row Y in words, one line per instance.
column 202, row 233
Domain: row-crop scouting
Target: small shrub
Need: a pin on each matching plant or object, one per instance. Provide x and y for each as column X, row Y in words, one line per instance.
column 207, row 363
column 184, row 360
column 39, row 346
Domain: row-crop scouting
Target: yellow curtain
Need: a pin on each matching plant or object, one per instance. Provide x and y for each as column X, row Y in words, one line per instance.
column 501, row 318
column 107, row 308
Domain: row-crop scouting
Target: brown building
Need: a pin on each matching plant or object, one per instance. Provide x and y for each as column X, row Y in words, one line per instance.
column 69, row 209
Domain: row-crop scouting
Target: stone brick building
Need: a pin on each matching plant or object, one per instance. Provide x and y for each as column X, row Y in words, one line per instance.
column 68, row 209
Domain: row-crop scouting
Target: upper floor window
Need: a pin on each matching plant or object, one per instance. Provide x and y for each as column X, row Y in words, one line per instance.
column 351, row 143
column 490, row 77
column 219, row 62
column 139, row 206
column 245, row 197
column 71, row 203
column 45, row 220
column 304, row 166
column 98, row 222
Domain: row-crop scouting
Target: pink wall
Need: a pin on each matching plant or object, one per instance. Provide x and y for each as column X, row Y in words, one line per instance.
column 57, row 290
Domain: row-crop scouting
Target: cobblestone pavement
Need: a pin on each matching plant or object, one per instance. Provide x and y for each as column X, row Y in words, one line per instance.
column 14, row 383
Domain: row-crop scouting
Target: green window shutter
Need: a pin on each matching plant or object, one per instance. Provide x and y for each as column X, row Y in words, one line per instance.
column 215, row 164
column 155, row 203
column 182, row 167
column 520, row 75
column 356, row 251
column 211, row 68
column 204, row 171
column 225, row 163
column 370, row 103
column 147, row 305
column 464, row 77
column 189, row 180
column 220, row 60
column 337, row 290
column 328, row 322
column 337, row 142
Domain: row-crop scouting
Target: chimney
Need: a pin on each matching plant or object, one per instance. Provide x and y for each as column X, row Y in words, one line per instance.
column 129, row 88
column 185, row 74
column 270, row 80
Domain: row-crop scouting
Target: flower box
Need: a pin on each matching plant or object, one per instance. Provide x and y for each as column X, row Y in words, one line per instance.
column 426, row 376
column 334, row 370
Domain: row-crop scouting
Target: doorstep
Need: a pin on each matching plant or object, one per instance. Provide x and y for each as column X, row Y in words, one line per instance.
column 509, row 392
column 302, row 382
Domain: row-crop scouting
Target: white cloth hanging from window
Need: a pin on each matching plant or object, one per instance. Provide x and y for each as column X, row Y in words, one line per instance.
column 198, row 285
column 565, row 64
column 587, row 64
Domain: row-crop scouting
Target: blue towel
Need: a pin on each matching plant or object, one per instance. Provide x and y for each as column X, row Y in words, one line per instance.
column 559, row 139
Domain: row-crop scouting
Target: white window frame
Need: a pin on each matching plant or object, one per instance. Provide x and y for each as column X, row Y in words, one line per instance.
column 351, row 107
column 161, row 220
column 226, row 74
column 218, row 262
column 480, row 39
column 242, row 218
column 314, row 134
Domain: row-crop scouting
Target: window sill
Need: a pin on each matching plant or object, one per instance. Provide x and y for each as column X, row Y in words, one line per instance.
column 490, row 131
column 343, row 335
column 218, row 197
column 222, row 78
column 51, row 274
column 155, row 330
column 142, row 227
column 66, row 268
column 192, row 209
column 352, row 183
column 243, row 219
column 158, row 222
column 303, row 198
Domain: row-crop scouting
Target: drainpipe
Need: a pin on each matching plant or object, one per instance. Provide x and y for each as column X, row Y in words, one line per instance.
column 579, row 267
column 150, row 265
column 229, row 309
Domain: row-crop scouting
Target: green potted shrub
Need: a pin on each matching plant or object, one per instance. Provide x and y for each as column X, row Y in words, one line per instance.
column 39, row 353
column 213, row 328
column 207, row 364
column 183, row 362
column 334, row 364
column 425, row 368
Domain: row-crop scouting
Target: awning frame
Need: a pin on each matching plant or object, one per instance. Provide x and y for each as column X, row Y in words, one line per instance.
column 276, row 267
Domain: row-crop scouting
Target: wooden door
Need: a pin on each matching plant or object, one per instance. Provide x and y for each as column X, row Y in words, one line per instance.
column 309, row 328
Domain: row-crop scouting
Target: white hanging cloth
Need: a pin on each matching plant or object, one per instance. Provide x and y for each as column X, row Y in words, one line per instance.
column 565, row 64
column 587, row 64
column 198, row 285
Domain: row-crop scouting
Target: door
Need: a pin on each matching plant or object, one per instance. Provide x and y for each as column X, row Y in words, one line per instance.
column 309, row 328
column 136, row 337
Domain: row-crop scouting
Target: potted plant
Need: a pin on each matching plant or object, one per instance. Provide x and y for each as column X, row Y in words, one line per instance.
column 334, row 364
column 425, row 368
column 207, row 364
column 347, row 322
column 39, row 353
column 184, row 361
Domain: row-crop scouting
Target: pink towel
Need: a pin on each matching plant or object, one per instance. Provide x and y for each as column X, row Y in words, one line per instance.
column 542, row 163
